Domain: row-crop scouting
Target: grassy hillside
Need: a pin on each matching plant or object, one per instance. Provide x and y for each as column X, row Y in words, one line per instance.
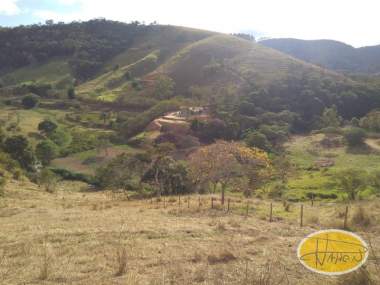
column 330, row 54
column 305, row 152
column 76, row 237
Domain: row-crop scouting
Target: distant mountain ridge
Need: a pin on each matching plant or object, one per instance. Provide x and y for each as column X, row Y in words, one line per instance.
column 330, row 54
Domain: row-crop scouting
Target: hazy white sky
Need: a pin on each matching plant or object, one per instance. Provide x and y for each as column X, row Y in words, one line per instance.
column 353, row 22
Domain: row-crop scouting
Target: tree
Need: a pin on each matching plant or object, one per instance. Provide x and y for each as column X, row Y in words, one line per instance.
column 351, row 181
column 257, row 139
column 47, row 126
column 124, row 171
column 19, row 149
column 228, row 164
column 71, row 93
column 30, row 101
column 46, row 151
column 330, row 118
column 355, row 137
column 60, row 137
column 168, row 176
column 164, row 87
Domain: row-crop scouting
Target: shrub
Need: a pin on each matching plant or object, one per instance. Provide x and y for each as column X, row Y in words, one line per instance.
column 355, row 137
column 60, row 137
column 46, row 151
column 30, row 101
column 19, row 149
column 47, row 126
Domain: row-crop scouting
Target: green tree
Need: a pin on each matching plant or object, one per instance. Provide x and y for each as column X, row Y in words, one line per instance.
column 355, row 137
column 47, row 126
column 351, row 181
column 168, row 176
column 46, row 151
column 257, row 139
column 19, row 149
column 30, row 101
column 164, row 87
column 123, row 172
column 330, row 118
column 60, row 137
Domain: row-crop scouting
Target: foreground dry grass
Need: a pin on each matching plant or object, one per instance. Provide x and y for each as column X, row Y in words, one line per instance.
column 96, row 238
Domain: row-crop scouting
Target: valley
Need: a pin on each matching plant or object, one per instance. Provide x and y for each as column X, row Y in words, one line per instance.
column 155, row 154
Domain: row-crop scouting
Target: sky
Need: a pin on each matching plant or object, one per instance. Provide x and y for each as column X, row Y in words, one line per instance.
column 351, row 21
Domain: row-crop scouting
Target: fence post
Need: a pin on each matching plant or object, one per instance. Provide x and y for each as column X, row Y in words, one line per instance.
column 345, row 218
column 247, row 210
column 164, row 203
column 228, row 204
column 301, row 216
column 188, row 202
column 271, row 213
column 312, row 200
column 212, row 202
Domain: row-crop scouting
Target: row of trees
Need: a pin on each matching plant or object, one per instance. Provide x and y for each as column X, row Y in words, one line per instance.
column 224, row 165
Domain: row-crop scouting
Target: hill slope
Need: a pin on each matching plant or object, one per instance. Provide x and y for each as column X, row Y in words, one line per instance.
column 330, row 54
column 133, row 67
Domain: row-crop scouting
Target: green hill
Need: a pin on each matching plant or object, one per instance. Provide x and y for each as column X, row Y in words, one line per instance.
column 330, row 54
column 133, row 67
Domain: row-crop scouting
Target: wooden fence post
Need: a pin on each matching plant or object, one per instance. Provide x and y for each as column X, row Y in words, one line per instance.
column 188, row 202
column 212, row 202
column 228, row 204
column 312, row 200
column 345, row 218
column 179, row 201
column 301, row 216
column 164, row 203
column 271, row 213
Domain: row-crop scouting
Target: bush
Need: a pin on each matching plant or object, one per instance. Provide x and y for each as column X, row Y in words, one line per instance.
column 19, row 149
column 30, row 101
column 355, row 137
column 46, row 151
column 47, row 126
column 60, row 137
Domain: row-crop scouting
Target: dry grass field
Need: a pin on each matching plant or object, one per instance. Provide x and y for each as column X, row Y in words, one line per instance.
column 74, row 237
